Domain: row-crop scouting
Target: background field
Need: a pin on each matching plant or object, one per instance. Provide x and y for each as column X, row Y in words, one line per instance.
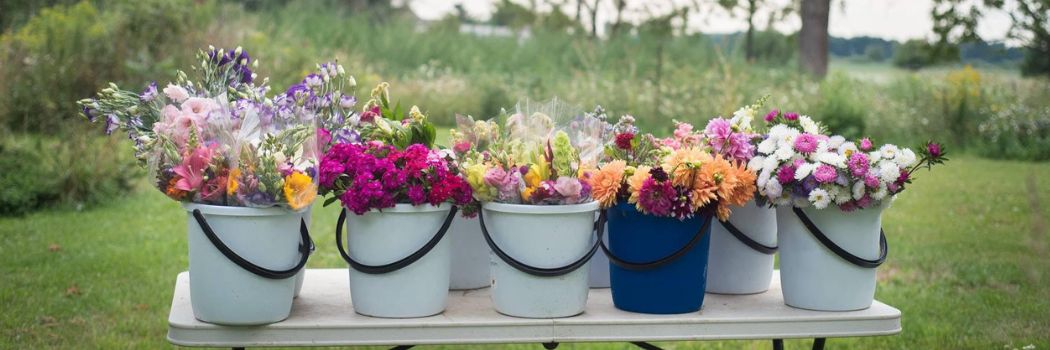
column 89, row 250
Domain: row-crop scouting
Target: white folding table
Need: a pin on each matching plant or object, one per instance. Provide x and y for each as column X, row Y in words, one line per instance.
column 323, row 316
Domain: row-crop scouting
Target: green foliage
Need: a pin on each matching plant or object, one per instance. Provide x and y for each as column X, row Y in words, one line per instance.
column 843, row 106
column 875, row 53
column 917, row 53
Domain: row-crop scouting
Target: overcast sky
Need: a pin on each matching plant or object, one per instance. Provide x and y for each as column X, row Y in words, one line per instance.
column 890, row 19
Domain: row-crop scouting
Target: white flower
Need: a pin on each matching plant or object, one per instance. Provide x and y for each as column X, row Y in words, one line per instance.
column 874, row 156
column 804, row 170
column 847, row 148
column 819, row 198
column 783, row 135
column 841, row 195
column 836, row 141
column 833, row 159
column 773, row 189
column 176, row 92
column 888, row 171
column 767, row 146
column 763, row 177
column 881, row 193
column 755, row 164
column 770, row 164
column 784, row 153
column 858, row 190
column 889, row 151
column 808, row 125
column 742, row 118
column 906, row 158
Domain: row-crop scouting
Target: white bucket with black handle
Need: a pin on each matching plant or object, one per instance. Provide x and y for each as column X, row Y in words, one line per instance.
column 742, row 250
column 399, row 260
column 540, row 255
column 244, row 262
column 828, row 257
column 470, row 255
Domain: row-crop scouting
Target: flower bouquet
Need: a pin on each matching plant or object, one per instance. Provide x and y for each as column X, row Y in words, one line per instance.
column 660, row 195
column 244, row 169
column 537, row 214
column 830, row 194
column 742, row 246
column 404, row 195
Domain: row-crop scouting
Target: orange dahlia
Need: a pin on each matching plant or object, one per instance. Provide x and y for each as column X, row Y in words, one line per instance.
column 605, row 183
column 683, row 163
column 635, row 181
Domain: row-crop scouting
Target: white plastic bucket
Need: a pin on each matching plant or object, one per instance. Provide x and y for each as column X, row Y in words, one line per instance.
column 384, row 237
column 598, row 276
column 470, row 255
column 811, row 275
column 546, row 237
column 222, row 292
column 735, row 267
column 306, row 215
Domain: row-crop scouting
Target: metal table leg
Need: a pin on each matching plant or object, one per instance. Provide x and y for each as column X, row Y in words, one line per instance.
column 645, row 345
column 778, row 344
column 818, row 343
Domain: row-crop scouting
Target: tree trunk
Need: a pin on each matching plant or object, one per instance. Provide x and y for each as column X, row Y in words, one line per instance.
column 813, row 37
column 749, row 46
column 594, row 18
column 620, row 5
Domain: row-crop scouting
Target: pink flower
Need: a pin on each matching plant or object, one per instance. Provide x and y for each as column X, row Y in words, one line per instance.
column 569, row 188
column 176, row 92
column 506, row 184
column 191, row 171
column 717, row 129
column 865, row 144
column 786, row 174
column 199, row 107
column 461, row 146
column 772, row 115
column 324, row 137
column 682, row 130
column 825, row 173
column 671, row 143
column 792, row 116
column 656, row 198
column 858, row 164
column 934, row 149
column 871, row 179
column 370, row 115
column 806, row 143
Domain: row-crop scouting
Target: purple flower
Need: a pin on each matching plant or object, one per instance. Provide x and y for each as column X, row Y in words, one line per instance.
column 416, row 195
column 934, row 149
column 112, row 123
column 792, row 116
column 858, row 164
column 347, row 101
column 903, row 178
column 655, row 198
column 150, row 93
column 806, row 143
column 825, row 174
column 718, row 130
column 772, row 115
column 89, row 112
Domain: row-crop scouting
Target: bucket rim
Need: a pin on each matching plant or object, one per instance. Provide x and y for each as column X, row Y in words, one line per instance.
column 591, row 206
column 411, row 208
column 224, row 210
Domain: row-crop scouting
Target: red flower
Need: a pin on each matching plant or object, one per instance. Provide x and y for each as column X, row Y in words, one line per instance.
column 623, row 140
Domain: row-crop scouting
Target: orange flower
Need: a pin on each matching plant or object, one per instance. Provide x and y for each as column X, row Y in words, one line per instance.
column 736, row 188
column 605, row 183
column 636, row 180
column 231, row 182
column 683, row 163
column 174, row 193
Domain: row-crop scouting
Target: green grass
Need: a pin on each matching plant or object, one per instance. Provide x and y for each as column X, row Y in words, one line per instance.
column 968, row 267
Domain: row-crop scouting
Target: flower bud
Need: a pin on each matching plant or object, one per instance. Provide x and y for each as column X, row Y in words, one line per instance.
column 352, row 81
column 237, row 52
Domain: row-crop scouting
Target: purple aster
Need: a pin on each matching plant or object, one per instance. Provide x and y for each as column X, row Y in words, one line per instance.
column 786, row 174
column 806, row 143
column 825, row 174
column 858, row 164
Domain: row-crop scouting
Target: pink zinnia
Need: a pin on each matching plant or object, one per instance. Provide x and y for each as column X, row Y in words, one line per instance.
column 825, row 173
column 806, row 143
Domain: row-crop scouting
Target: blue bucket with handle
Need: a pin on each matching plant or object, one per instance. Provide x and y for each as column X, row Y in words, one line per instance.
column 657, row 265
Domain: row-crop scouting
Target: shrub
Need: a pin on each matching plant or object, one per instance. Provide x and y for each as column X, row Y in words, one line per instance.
column 842, row 106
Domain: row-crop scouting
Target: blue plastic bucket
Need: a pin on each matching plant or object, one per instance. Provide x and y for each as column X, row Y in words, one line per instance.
column 672, row 288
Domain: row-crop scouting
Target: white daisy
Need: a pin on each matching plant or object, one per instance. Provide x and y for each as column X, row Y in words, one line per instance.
column 767, row 146
column 773, row 189
column 770, row 164
column 889, row 151
column 755, row 164
column 836, row 141
column 785, row 152
column 881, row 193
column 847, row 148
column 819, row 198
column 833, row 159
column 763, row 177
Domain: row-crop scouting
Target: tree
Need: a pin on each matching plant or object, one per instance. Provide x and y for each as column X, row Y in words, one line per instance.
column 874, row 53
column 813, row 37
column 917, row 53
column 956, row 21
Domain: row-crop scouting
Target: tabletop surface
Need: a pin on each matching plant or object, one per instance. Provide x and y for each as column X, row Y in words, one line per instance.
column 323, row 315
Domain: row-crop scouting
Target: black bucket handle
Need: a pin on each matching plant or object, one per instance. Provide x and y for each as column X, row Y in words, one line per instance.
column 746, row 240
column 842, row 253
column 599, row 227
column 397, row 265
column 306, row 247
column 649, row 265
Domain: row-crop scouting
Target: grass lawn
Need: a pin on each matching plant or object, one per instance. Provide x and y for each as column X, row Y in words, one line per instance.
column 968, row 267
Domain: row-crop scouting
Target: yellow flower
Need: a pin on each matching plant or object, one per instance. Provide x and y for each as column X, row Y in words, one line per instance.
column 534, row 176
column 475, row 174
column 231, row 181
column 636, row 180
column 299, row 190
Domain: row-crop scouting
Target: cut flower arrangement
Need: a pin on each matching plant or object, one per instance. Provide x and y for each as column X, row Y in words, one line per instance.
column 216, row 138
column 798, row 164
column 674, row 177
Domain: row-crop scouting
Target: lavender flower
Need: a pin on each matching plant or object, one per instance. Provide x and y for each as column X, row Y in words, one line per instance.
column 112, row 123
column 150, row 93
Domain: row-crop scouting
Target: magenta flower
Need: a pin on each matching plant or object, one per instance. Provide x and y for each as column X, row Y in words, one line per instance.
column 871, row 179
column 656, row 198
column 772, row 115
column 461, row 147
column 786, row 174
column 825, row 173
column 806, row 143
column 792, row 116
column 934, row 149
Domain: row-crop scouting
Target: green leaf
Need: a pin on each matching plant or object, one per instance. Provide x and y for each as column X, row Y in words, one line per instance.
column 329, row 201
